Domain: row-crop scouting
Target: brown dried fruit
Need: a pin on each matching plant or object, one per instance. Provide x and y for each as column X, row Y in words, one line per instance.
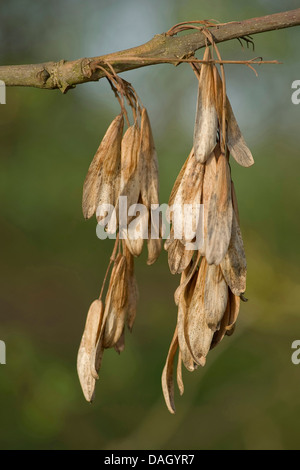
column 219, row 220
column 234, row 265
column 167, row 375
column 85, row 358
column 102, row 168
column 215, row 296
column 206, row 123
column 200, row 335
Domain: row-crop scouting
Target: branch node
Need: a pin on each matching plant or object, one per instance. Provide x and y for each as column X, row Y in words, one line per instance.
column 87, row 70
column 58, row 79
column 184, row 57
column 43, row 76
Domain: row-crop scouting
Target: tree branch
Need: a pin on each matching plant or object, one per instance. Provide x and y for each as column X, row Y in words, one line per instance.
column 162, row 48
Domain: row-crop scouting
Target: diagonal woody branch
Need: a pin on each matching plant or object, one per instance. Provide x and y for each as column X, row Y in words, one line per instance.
column 162, row 48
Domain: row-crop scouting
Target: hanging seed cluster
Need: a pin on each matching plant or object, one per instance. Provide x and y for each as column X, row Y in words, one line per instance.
column 213, row 277
column 125, row 164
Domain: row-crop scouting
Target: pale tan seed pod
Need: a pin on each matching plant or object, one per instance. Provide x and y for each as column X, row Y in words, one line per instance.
column 199, row 334
column 108, row 194
column 130, row 176
column 206, row 123
column 235, row 203
column 209, row 182
column 135, row 246
column 190, row 270
column 215, row 296
column 116, row 304
column 148, row 164
column 148, row 167
column 154, row 249
column 114, row 325
column 97, row 359
column 133, row 296
column 169, row 240
column 235, row 140
column 182, row 318
column 177, row 182
column 179, row 374
column 99, row 349
column 235, row 302
column 133, row 293
column 100, row 346
column 120, row 344
column 178, row 257
column 87, row 348
column 220, row 333
column 109, row 152
column 188, row 197
column 138, row 230
column 229, row 319
column 219, row 221
column 167, row 375
column 234, row 265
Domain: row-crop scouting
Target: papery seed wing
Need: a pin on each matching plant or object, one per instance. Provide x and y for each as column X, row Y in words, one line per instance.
column 190, row 272
column 154, row 244
column 167, row 375
column 108, row 151
column 183, row 306
column 234, row 312
column 209, row 183
column 133, row 293
column 219, row 334
column 116, row 305
column 178, row 181
column 235, row 203
column 135, row 246
column 120, row 344
column 236, row 142
column 118, row 265
column 198, row 332
column 206, row 123
column 169, row 240
column 188, row 198
column 219, row 221
column 178, row 257
column 179, row 374
column 185, row 260
column 154, row 249
column 114, row 326
column 175, row 252
column 215, row 296
column 87, row 347
column 99, row 349
column 130, row 176
column 234, row 265
column 148, row 164
column 137, row 231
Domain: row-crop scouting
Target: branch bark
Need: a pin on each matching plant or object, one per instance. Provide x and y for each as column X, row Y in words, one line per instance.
column 64, row 75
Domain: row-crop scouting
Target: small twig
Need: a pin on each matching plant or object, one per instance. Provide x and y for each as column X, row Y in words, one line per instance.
column 191, row 60
column 184, row 25
column 162, row 48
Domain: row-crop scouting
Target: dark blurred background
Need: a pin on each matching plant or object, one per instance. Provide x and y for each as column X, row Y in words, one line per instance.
column 52, row 264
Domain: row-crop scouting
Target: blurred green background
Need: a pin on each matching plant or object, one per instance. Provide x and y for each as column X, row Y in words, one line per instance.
column 52, row 264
